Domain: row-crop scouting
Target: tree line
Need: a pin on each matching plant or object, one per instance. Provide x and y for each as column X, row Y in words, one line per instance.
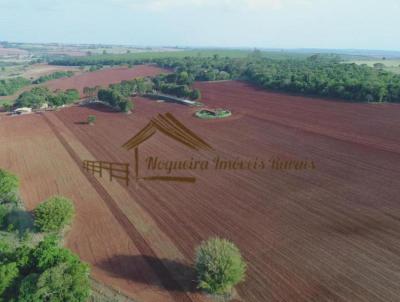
column 54, row 76
column 11, row 86
column 317, row 75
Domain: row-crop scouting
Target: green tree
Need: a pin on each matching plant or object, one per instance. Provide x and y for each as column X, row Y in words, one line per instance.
column 27, row 289
column 219, row 266
column 91, row 119
column 48, row 253
column 54, row 214
column 195, row 95
column 62, row 282
column 8, row 274
column 125, row 106
column 9, row 185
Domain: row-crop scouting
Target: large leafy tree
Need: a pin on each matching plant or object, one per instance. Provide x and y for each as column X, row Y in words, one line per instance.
column 62, row 282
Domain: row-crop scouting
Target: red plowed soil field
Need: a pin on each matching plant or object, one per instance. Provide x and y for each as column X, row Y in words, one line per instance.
column 104, row 77
column 326, row 234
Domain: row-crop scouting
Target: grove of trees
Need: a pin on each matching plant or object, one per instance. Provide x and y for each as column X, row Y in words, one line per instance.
column 318, row 75
column 11, row 86
column 37, row 96
column 115, row 99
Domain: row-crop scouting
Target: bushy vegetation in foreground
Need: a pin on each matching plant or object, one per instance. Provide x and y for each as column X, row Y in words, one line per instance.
column 9, row 185
column 54, row 76
column 38, row 96
column 317, row 75
column 46, row 272
column 54, row 214
column 219, row 266
column 11, row 86
column 33, row 272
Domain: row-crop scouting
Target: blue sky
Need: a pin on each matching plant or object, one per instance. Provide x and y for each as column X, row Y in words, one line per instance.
column 355, row 24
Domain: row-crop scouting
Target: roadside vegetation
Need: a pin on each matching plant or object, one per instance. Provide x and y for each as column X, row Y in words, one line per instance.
column 316, row 75
column 33, row 264
column 54, row 76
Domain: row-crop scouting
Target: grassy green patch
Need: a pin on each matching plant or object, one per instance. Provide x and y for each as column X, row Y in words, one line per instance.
column 392, row 65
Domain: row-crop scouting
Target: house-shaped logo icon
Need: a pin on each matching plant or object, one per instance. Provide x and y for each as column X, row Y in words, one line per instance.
column 168, row 125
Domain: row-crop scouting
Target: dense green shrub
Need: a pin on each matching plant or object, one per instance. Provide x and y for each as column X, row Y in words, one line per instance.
column 54, row 214
column 91, row 119
column 219, row 266
column 9, row 185
column 8, row 273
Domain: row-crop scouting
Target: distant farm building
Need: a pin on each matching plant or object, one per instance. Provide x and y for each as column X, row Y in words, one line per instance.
column 23, row 110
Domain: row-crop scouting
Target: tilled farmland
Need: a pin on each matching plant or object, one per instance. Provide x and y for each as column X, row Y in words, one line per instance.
column 329, row 233
column 104, row 77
